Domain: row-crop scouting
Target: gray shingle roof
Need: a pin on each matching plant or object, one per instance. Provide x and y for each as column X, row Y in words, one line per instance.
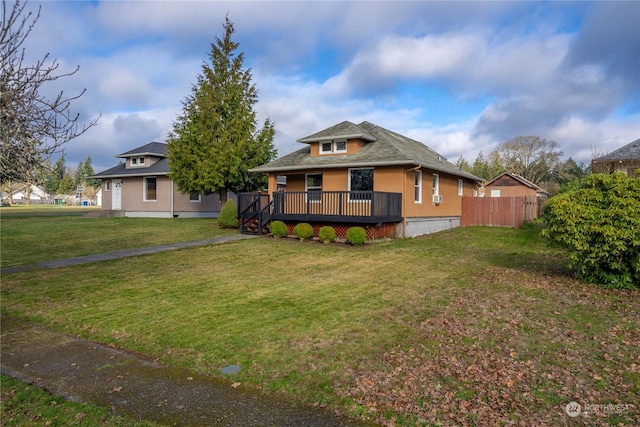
column 385, row 148
column 630, row 151
column 151, row 149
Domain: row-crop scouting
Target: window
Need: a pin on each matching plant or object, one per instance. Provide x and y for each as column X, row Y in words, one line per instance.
column 326, row 147
column 417, row 196
column 141, row 161
column 134, row 161
column 495, row 193
column 460, row 187
column 360, row 182
column 107, row 185
column 314, row 187
column 150, row 189
column 194, row 197
column 436, row 184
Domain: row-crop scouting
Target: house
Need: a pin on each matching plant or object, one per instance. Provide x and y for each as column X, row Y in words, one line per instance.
column 513, row 185
column 362, row 174
column 625, row 159
column 37, row 195
column 140, row 187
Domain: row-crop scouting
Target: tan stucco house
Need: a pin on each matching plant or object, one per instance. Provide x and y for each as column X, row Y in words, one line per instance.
column 362, row 174
column 140, row 187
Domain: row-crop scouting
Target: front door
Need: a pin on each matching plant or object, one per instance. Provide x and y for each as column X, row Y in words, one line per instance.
column 116, row 195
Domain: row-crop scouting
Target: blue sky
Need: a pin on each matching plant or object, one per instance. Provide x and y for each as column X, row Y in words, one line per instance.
column 462, row 77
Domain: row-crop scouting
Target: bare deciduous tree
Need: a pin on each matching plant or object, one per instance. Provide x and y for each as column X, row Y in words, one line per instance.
column 32, row 125
column 529, row 156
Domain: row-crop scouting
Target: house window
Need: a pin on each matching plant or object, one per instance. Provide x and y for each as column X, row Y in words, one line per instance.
column 107, row 186
column 460, row 187
column 134, row 161
column 436, row 184
column 417, row 196
column 314, row 187
column 194, row 197
column 495, row 193
column 150, row 189
column 360, row 184
column 328, row 147
column 340, row 147
column 140, row 161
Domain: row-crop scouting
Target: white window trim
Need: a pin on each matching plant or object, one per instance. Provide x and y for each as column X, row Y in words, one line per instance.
column 144, row 189
column 193, row 201
column 137, row 162
column 107, row 186
column 418, row 186
column 306, row 187
column 334, row 146
column 436, row 187
column 460, row 187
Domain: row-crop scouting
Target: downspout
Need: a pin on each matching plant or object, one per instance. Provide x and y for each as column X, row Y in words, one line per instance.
column 404, row 201
column 171, row 199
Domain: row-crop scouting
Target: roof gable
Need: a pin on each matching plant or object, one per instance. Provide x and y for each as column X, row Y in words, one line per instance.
column 517, row 178
column 158, row 149
column 383, row 148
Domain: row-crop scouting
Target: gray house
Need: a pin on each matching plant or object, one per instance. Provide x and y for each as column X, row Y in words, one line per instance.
column 625, row 159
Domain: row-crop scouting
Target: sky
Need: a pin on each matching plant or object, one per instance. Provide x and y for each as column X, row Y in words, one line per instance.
column 461, row 77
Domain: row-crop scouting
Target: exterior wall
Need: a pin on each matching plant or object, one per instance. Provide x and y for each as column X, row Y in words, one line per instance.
column 148, row 161
column 106, row 194
column 421, row 226
column 511, row 191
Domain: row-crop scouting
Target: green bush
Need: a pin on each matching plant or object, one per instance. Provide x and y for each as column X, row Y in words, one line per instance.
column 327, row 234
column 598, row 224
column 228, row 217
column 303, row 231
column 278, row 229
column 356, row 236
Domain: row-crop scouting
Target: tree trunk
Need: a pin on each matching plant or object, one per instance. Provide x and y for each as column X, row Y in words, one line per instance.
column 223, row 196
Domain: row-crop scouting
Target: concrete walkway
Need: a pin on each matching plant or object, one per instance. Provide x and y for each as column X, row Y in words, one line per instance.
column 132, row 385
column 124, row 253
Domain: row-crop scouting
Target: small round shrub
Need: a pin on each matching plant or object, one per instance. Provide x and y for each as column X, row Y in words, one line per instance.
column 228, row 217
column 303, row 231
column 327, row 234
column 356, row 236
column 278, row 229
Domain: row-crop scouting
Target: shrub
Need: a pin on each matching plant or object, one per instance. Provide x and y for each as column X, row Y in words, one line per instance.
column 598, row 225
column 228, row 217
column 303, row 231
column 327, row 234
column 356, row 235
column 278, row 229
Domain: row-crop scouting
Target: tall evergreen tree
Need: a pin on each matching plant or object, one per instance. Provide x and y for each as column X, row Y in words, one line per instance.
column 215, row 140
column 52, row 182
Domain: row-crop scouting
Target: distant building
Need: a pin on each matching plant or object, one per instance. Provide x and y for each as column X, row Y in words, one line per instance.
column 37, row 195
column 625, row 159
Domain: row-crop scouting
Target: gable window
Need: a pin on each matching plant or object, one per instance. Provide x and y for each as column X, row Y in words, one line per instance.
column 332, row 147
column 460, row 187
column 150, row 184
column 140, row 161
column 417, row 196
column 194, row 197
column 134, row 161
column 313, row 184
column 436, row 184
column 360, row 184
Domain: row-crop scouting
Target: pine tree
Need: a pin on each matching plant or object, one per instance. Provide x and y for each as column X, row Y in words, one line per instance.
column 215, row 140
column 53, row 179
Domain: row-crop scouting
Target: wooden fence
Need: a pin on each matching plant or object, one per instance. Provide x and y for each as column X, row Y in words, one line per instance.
column 499, row 211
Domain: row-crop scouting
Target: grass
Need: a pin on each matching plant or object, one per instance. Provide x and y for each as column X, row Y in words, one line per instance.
column 470, row 326
column 24, row 405
column 30, row 235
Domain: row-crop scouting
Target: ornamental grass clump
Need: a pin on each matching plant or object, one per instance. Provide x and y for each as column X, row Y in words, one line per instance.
column 278, row 229
column 356, row 236
column 327, row 234
column 303, row 231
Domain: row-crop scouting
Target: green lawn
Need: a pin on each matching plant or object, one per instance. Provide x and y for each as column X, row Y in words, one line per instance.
column 473, row 326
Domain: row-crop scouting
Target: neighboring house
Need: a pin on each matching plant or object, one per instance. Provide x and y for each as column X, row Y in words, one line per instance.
column 625, row 159
column 140, row 187
column 38, row 195
column 513, row 185
column 363, row 175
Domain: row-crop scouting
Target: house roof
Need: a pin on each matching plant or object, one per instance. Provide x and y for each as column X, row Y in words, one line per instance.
column 161, row 167
column 521, row 179
column 383, row 148
column 630, row 151
column 151, row 149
